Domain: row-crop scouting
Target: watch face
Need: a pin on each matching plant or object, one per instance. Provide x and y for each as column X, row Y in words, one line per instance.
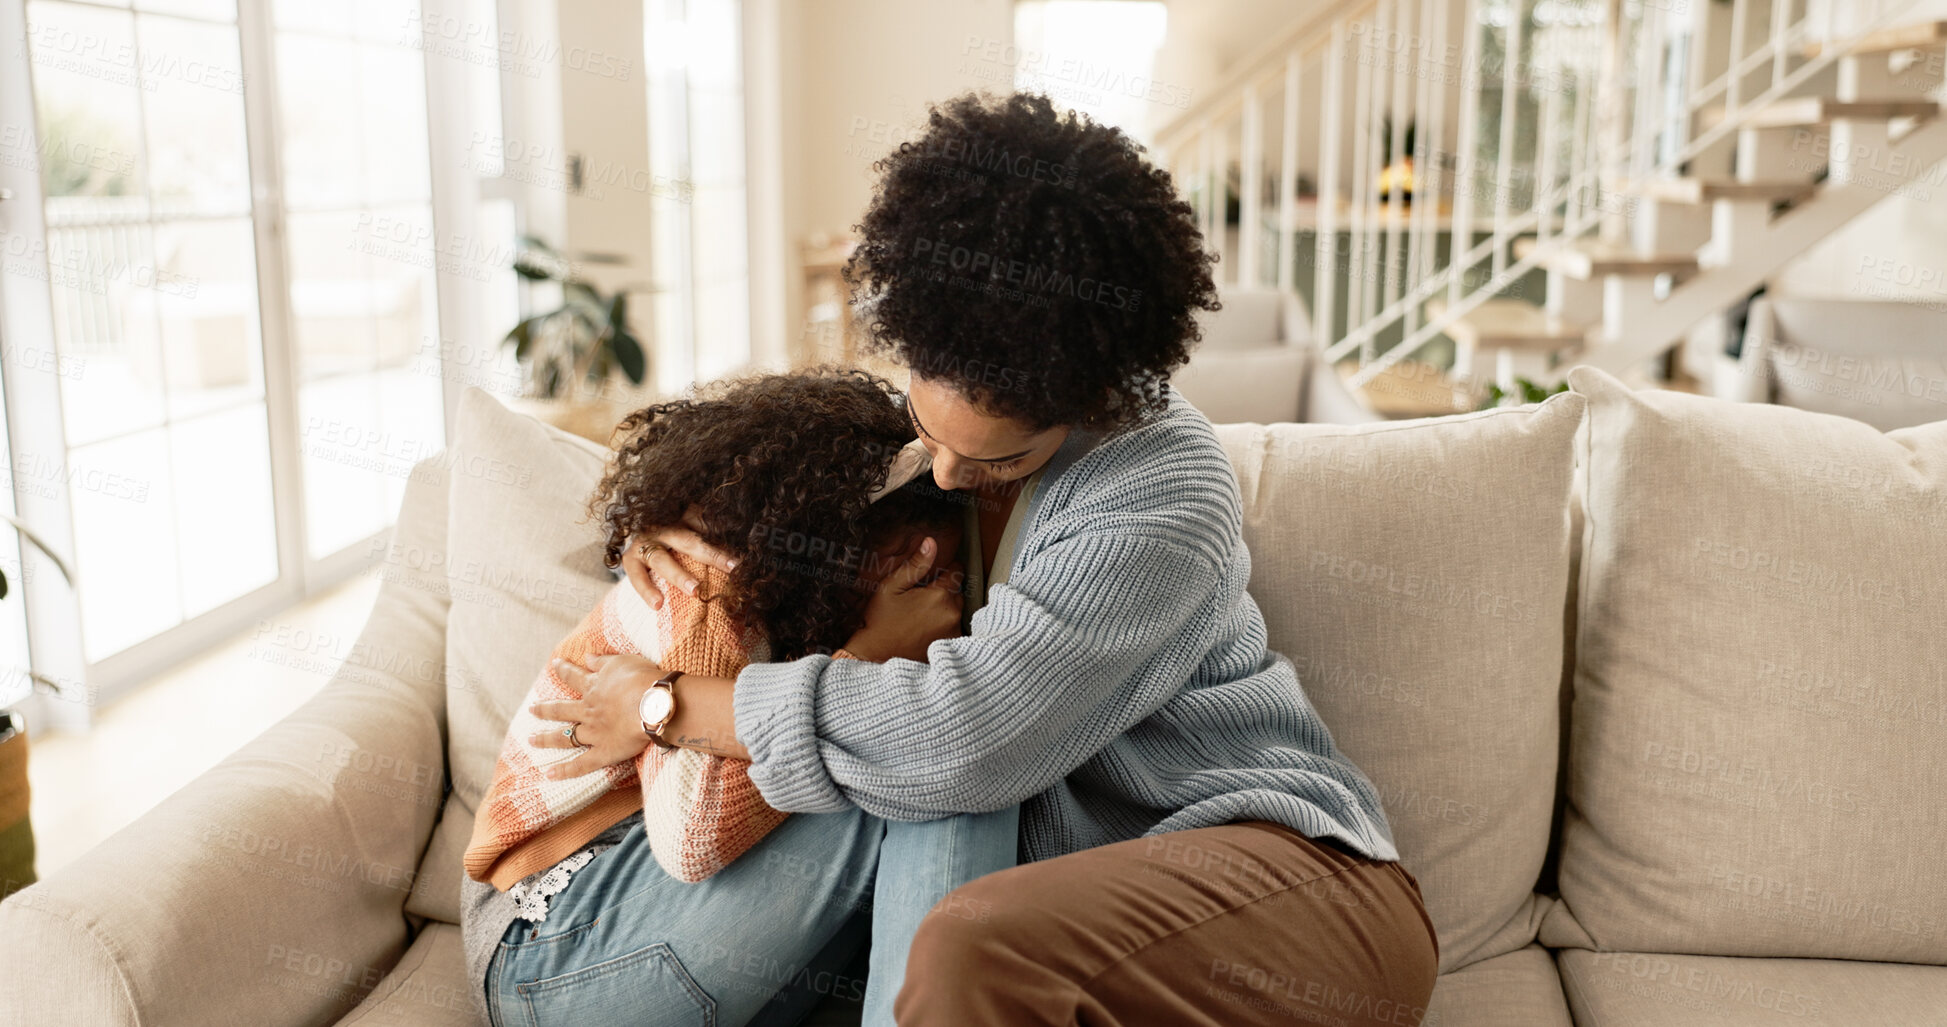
column 657, row 705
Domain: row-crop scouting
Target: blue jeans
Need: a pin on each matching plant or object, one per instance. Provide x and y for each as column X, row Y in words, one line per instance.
column 767, row 936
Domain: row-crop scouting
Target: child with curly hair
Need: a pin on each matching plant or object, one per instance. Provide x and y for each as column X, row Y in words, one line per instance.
column 807, row 478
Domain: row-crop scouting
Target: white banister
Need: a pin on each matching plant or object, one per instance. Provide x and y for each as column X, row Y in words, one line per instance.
column 1426, row 191
column 1375, row 69
column 1734, row 89
column 1325, row 273
column 1288, row 178
column 1208, row 187
column 1398, row 115
column 1220, row 219
column 1466, row 157
column 1544, row 198
column 1362, row 131
column 1250, row 183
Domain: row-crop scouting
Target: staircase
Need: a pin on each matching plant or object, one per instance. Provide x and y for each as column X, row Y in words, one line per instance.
column 1470, row 192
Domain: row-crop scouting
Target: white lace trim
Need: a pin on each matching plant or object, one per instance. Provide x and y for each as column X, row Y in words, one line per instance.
column 531, row 894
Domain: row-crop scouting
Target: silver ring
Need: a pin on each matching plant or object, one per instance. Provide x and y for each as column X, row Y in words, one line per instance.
column 569, row 733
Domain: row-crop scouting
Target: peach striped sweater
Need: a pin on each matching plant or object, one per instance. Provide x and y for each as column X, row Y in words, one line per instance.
column 700, row 811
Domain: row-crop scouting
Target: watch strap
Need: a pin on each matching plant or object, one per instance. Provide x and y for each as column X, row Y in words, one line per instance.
column 667, row 683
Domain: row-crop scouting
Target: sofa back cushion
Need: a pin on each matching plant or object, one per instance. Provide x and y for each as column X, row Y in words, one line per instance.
column 1415, row 572
column 1760, row 711
column 1250, row 318
column 522, row 567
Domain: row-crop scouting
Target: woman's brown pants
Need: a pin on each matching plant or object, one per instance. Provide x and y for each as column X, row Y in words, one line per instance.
column 1242, row 924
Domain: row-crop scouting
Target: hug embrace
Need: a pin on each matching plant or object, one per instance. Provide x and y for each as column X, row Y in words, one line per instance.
column 950, row 703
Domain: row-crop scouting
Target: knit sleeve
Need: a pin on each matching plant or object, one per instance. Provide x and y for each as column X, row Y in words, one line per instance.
column 520, row 804
column 1090, row 636
column 701, row 811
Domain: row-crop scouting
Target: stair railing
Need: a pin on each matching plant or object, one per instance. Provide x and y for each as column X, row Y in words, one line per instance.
column 1594, row 95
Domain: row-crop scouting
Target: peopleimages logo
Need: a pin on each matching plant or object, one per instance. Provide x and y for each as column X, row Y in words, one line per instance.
column 1705, row 983
column 992, row 160
column 1807, row 577
column 1042, row 65
column 1023, row 275
column 1432, row 592
column 1831, row 907
column 1750, row 778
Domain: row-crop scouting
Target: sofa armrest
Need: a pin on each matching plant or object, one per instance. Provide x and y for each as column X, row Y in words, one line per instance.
column 270, row 889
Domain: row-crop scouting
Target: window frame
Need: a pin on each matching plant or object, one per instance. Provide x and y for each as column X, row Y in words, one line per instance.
column 34, row 408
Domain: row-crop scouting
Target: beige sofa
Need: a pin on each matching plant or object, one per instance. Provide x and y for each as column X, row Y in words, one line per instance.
column 1748, row 826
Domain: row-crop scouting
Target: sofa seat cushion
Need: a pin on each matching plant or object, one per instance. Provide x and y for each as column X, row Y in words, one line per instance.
column 1520, row 987
column 522, row 566
column 1760, row 702
column 427, row 988
column 1625, row 989
column 1415, row 573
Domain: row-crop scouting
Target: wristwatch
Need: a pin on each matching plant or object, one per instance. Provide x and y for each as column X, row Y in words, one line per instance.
column 658, row 706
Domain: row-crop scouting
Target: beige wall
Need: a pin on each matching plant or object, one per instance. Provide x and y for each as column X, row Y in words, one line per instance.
column 603, row 113
column 857, row 77
column 865, row 70
column 1206, row 37
column 1895, row 251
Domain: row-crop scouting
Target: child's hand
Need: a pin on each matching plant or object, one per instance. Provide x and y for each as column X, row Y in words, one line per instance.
column 650, row 553
column 909, row 611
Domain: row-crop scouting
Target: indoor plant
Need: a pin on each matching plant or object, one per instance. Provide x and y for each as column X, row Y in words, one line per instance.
column 16, row 830
column 569, row 355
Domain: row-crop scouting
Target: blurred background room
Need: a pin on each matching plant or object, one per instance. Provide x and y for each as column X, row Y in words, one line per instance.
column 256, row 250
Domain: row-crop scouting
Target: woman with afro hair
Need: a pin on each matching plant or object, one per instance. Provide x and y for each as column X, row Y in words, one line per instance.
column 1194, row 848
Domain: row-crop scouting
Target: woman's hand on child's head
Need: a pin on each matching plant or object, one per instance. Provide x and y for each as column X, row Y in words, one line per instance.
column 650, row 553
column 606, row 718
column 909, row 611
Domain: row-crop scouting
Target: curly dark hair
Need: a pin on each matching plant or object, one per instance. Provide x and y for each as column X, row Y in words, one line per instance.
column 780, row 468
column 1034, row 260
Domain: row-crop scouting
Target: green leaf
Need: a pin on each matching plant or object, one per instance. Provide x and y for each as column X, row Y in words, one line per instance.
column 535, row 242
column 584, row 292
column 532, row 271
column 522, row 336
column 628, row 354
column 618, row 311
column 586, row 316
column 3, row 584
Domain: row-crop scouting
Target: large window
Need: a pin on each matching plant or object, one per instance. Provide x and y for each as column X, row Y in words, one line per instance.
column 238, row 258
column 351, row 102
column 1098, row 57
column 700, row 255
column 256, row 229
column 152, row 278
